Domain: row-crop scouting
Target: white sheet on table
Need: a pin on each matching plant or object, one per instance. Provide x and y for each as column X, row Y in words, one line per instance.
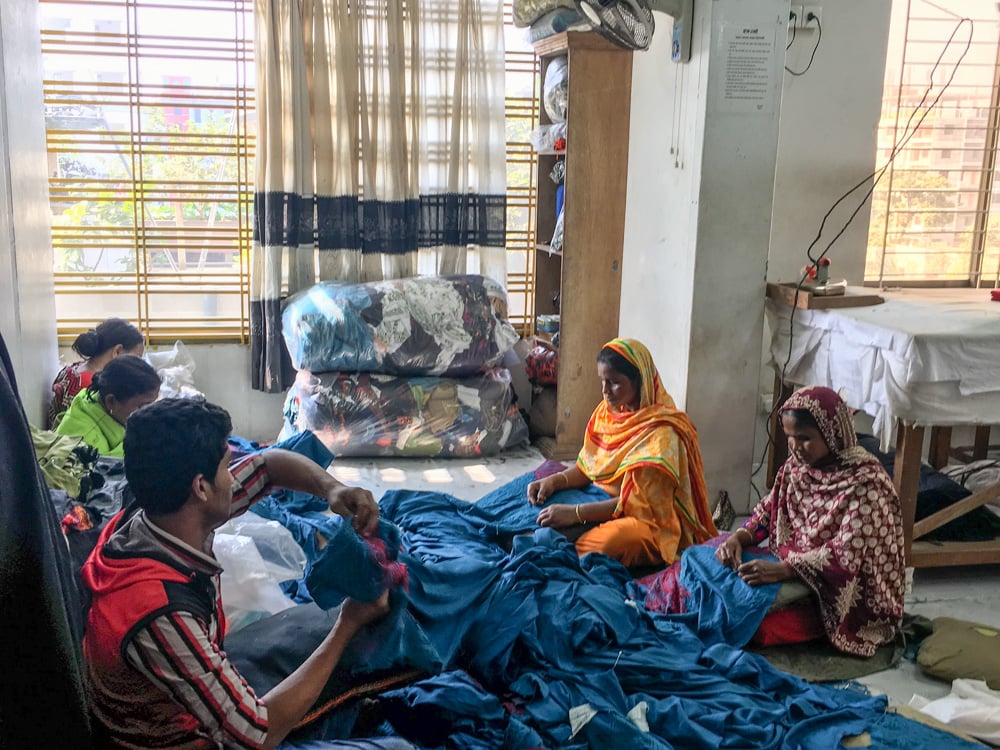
column 931, row 357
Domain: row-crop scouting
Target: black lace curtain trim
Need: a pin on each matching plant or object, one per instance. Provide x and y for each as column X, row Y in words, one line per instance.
column 388, row 227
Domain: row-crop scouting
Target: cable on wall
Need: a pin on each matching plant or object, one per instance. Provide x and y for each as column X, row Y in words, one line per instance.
column 819, row 38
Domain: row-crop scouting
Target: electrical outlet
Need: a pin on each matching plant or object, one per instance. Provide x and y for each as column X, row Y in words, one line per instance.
column 795, row 17
column 812, row 17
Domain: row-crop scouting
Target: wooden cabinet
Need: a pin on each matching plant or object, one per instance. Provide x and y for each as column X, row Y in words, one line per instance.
column 582, row 283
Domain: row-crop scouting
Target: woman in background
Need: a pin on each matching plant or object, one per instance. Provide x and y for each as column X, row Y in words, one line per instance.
column 644, row 453
column 98, row 414
column 834, row 522
column 97, row 347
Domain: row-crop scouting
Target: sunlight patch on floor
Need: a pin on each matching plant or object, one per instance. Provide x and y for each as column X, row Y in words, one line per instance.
column 347, row 474
column 479, row 473
column 438, row 476
column 392, row 475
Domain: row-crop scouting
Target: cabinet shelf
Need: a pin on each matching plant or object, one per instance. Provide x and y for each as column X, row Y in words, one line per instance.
column 583, row 286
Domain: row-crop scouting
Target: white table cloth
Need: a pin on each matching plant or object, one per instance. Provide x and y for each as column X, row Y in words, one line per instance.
column 929, row 357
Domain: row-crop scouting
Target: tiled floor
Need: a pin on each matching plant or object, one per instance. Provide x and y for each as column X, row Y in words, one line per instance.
column 965, row 593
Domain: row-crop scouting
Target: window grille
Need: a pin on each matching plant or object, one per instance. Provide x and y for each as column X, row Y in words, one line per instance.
column 150, row 123
column 934, row 214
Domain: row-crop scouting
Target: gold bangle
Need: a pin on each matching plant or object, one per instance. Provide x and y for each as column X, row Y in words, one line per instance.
column 749, row 535
column 578, row 517
column 565, row 478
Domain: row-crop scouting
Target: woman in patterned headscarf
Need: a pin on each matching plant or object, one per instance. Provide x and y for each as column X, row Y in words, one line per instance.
column 833, row 520
column 644, row 453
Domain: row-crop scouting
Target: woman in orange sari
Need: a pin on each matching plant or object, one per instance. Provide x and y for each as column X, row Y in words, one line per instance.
column 642, row 451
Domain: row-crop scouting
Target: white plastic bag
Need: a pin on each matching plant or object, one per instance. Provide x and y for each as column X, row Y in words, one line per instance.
column 544, row 137
column 248, row 594
column 971, row 708
column 176, row 370
column 555, row 90
column 283, row 558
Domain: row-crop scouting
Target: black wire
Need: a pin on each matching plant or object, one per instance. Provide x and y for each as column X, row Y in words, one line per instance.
column 819, row 37
column 875, row 176
column 793, row 18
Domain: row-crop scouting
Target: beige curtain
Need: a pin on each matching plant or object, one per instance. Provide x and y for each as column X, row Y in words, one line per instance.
column 380, row 150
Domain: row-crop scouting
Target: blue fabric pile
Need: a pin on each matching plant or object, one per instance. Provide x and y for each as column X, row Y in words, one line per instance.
column 565, row 647
column 543, row 649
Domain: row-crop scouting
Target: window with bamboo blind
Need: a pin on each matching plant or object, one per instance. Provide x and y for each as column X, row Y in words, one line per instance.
column 150, row 126
column 149, row 112
column 935, row 212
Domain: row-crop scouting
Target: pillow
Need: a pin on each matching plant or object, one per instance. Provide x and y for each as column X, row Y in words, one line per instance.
column 789, row 592
column 960, row 649
column 388, row 654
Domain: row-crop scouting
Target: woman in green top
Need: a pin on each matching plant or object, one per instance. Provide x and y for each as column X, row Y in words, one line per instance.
column 98, row 414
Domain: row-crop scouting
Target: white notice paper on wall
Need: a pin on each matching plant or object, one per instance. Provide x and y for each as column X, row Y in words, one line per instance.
column 746, row 51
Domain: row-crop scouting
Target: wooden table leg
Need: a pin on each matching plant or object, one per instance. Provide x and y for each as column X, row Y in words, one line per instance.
column 906, row 476
column 982, row 444
column 777, row 451
column 940, row 446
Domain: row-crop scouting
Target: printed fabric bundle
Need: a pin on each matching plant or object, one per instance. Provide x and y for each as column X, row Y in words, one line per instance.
column 429, row 325
column 369, row 414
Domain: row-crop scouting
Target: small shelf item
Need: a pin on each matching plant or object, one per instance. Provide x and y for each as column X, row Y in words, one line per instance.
column 810, row 300
column 828, row 288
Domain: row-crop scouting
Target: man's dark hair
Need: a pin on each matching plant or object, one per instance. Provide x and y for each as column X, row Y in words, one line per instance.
column 168, row 444
column 618, row 363
column 124, row 377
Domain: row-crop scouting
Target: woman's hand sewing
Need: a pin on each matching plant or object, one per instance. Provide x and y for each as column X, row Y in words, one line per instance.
column 759, row 572
column 730, row 552
column 541, row 490
column 558, row 516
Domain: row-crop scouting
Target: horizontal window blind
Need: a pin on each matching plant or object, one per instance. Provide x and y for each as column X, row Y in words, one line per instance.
column 935, row 212
column 522, row 115
column 150, row 123
column 149, row 118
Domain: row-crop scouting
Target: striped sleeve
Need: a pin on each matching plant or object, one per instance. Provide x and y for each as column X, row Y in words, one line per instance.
column 251, row 483
column 176, row 654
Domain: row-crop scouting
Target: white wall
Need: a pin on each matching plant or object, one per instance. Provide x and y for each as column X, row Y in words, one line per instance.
column 27, row 309
column 698, row 205
column 222, row 373
column 701, row 177
column 827, row 143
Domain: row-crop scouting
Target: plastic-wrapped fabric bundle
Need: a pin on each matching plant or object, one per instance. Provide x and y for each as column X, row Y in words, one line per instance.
column 429, row 325
column 367, row 414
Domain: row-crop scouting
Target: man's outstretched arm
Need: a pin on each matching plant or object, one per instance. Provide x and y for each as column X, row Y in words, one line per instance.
column 286, row 469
